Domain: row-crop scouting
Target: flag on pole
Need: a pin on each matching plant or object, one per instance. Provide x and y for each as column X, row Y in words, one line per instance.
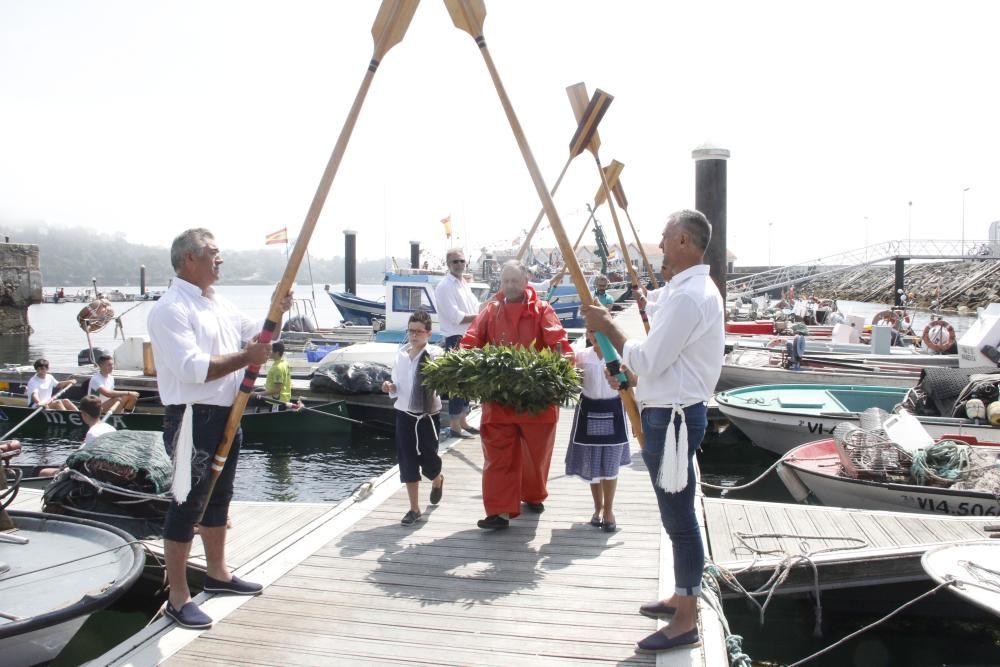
column 447, row 226
column 280, row 236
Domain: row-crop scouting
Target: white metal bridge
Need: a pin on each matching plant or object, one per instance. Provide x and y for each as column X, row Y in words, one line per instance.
column 853, row 260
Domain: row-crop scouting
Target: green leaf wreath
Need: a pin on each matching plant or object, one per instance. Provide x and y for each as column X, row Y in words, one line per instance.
column 517, row 377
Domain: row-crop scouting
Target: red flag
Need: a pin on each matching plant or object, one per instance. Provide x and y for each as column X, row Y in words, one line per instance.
column 280, row 236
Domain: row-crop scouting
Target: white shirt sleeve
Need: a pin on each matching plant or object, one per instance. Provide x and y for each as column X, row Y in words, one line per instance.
column 449, row 305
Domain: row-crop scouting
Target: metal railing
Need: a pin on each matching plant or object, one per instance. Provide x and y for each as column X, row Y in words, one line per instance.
column 786, row 276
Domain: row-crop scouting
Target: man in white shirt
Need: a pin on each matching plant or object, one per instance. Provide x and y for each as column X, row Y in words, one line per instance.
column 198, row 343
column 102, row 385
column 457, row 306
column 678, row 366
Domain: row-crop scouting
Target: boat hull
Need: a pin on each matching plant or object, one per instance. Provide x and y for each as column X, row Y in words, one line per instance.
column 356, row 310
column 816, row 465
column 52, row 596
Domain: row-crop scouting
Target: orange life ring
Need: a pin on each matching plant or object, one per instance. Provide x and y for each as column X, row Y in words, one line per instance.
column 885, row 318
column 95, row 316
column 939, row 336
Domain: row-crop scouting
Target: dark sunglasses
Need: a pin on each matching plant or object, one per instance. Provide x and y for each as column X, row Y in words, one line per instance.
column 457, row 261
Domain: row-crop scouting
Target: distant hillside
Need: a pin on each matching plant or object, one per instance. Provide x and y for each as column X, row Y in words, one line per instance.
column 72, row 256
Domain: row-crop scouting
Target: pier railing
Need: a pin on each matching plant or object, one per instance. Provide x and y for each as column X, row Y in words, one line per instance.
column 861, row 258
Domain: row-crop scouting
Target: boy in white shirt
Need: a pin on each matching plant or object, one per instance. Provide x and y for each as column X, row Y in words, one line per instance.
column 40, row 389
column 102, row 385
column 90, row 412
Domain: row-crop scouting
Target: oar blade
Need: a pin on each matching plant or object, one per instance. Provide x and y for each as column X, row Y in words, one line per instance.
column 391, row 23
column 578, row 100
column 611, row 172
column 467, row 15
column 587, row 129
column 619, row 193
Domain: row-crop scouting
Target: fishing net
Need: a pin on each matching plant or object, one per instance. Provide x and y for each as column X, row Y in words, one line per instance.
column 957, row 465
column 121, row 478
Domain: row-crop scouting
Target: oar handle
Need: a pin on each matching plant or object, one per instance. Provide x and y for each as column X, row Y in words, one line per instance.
column 111, row 411
column 37, row 410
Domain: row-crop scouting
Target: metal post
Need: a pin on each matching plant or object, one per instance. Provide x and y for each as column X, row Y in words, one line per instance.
column 710, row 199
column 414, row 254
column 350, row 261
column 963, row 220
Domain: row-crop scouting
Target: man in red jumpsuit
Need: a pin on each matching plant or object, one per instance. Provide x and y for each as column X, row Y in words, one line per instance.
column 517, row 446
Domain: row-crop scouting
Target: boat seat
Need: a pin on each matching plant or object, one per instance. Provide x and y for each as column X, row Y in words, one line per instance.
column 802, row 402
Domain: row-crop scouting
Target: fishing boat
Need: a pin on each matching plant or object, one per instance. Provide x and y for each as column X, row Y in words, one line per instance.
column 824, row 471
column 566, row 292
column 972, row 567
column 744, row 367
column 56, row 572
column 258, row 420
column 781, row 417
column 409, row 290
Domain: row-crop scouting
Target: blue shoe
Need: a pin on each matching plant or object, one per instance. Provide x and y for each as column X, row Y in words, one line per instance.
column 657, row 610
column 595, row 521
column 235, row 586
column 659, row 642
column 189, row 616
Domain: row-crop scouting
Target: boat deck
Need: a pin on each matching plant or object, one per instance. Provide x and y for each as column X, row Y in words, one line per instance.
column 850, row 547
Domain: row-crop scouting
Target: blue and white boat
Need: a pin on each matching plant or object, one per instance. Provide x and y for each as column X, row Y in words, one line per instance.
column 408, row 290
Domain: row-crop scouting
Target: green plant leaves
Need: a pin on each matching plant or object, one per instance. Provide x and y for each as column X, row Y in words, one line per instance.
column 517, row 377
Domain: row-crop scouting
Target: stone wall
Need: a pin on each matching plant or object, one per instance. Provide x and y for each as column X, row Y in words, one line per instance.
column 953, row 285
column 20, row 286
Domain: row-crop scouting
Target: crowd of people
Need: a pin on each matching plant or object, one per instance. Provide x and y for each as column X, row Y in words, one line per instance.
column 198, row 339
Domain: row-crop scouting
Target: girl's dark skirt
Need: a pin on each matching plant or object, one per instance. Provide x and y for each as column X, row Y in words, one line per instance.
column 598, row 445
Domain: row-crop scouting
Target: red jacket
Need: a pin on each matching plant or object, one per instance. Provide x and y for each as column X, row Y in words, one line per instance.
column 531, row 322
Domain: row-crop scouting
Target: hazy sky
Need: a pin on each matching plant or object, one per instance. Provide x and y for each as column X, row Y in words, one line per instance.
column 150, row 117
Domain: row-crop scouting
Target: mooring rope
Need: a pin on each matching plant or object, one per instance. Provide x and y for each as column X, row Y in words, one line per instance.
column 712, row 595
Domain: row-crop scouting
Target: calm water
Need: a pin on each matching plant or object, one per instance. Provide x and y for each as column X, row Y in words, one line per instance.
column 937, row 632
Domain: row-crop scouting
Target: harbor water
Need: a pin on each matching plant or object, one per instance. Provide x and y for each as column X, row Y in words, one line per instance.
column 328, row 468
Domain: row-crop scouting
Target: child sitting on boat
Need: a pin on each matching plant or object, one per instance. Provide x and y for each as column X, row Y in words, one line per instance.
column 599, row 442
column 40, row 388
column 416, row 407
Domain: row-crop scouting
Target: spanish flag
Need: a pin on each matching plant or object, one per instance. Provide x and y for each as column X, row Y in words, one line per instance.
column 280, row 236
column 447, row 226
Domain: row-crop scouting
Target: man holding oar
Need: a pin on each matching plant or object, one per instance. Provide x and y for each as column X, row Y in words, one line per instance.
column 517, row 446
column 197, row 339
column 678, row 365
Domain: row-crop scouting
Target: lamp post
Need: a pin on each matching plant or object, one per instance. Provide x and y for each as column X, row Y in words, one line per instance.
column 963, row 220
column 909, row 229
column 866, row 239
column 769, row 225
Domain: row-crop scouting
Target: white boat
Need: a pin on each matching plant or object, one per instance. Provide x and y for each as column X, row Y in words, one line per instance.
column 406, row 291
column 972, row 566
column 744, row 367
column 815, row 471
column 780, row 417
column 56, row 572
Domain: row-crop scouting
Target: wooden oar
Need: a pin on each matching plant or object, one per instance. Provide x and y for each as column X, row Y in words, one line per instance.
column 275, row 401
column 37, row 410
column 577, row 94
column 613, row 172
column 390, row 25
column 468, row 15
column 595, row 140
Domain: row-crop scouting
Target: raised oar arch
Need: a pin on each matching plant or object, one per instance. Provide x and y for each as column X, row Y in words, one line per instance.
column 468, row 15
column 390, row 25
column 613, row 173
column 578, row 95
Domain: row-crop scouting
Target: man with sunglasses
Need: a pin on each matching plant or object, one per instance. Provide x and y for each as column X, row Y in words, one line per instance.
column 457, row 306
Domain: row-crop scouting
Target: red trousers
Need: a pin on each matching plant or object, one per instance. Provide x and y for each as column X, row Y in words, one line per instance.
column 517, row 465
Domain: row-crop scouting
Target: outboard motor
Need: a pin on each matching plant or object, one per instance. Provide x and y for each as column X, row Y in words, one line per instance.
column 84, row 359
column 795, row 350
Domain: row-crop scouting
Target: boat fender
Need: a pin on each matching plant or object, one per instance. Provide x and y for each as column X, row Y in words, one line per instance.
column 993, row 413
column 939, row 336
column 885, row 318
column 975, row 409
column 792, row 482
